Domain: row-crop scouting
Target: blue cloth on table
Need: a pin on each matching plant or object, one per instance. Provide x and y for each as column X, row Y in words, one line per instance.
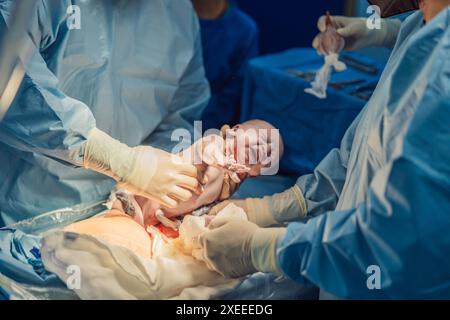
column 310, row 127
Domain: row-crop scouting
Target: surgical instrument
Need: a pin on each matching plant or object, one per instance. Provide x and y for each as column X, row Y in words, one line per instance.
column 308, row 76
column 342, row 84
column 359, row 65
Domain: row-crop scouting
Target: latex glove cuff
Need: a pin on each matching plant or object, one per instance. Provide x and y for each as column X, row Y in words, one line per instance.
column 107, row 155
column 263, row 249
column 258, row 211
column 387, row 35
column 289, row 205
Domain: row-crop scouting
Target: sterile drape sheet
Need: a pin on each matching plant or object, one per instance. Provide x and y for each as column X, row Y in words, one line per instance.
column 113, row 272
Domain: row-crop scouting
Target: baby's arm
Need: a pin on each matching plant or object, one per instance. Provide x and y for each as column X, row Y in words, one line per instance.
column 209, row 195
column 213, row 188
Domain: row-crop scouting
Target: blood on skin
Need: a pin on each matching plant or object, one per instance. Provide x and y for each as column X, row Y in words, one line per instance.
column 168, row 232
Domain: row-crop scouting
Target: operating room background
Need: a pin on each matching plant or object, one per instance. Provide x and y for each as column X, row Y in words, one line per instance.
column 285, row 24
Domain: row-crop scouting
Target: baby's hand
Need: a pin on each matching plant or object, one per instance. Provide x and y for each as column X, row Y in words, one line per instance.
column 148, row 209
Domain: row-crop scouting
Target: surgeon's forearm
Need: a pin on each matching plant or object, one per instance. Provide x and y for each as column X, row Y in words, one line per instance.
column 334, row 251
column 106, row 155
column 391, row 29
column 390, row 235
column 322, row 188
column 53, row 132
column 42, row 119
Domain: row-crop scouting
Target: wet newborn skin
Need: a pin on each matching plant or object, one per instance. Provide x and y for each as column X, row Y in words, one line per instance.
column 210, row 194
column 118, row 228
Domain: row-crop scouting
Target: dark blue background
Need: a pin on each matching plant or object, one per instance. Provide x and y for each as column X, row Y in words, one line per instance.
column 286, row 24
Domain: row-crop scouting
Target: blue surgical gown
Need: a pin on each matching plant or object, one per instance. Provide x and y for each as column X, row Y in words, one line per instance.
column 228, row 44
column 134, row 70
column 381, row 203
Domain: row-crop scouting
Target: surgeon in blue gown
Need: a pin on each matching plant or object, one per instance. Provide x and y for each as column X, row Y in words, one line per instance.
column 374, row 216
column 93, row 95
column 229, row 41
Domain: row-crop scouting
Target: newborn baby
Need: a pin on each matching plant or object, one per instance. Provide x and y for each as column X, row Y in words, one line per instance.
column 122, row 255
column 226, row 160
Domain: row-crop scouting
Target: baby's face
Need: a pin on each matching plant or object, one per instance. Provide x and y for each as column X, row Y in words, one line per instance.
column 251, row 145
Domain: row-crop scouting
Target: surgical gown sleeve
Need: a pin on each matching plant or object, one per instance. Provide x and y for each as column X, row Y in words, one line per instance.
column 321, row 189
column 401, row 229
column 41, row 118
column 189, row 100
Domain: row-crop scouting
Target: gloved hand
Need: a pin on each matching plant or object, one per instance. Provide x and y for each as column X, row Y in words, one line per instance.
column 287, row 206
column 144, row 171
column 235, row 248
column 358, row 36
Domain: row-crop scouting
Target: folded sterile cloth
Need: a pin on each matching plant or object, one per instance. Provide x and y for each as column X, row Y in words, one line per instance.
column 110, row 271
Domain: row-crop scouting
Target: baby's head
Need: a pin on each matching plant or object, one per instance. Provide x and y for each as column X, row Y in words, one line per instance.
column 255, row 143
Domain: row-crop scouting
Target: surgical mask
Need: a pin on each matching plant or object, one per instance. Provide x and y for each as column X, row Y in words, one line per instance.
column 393, row 7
